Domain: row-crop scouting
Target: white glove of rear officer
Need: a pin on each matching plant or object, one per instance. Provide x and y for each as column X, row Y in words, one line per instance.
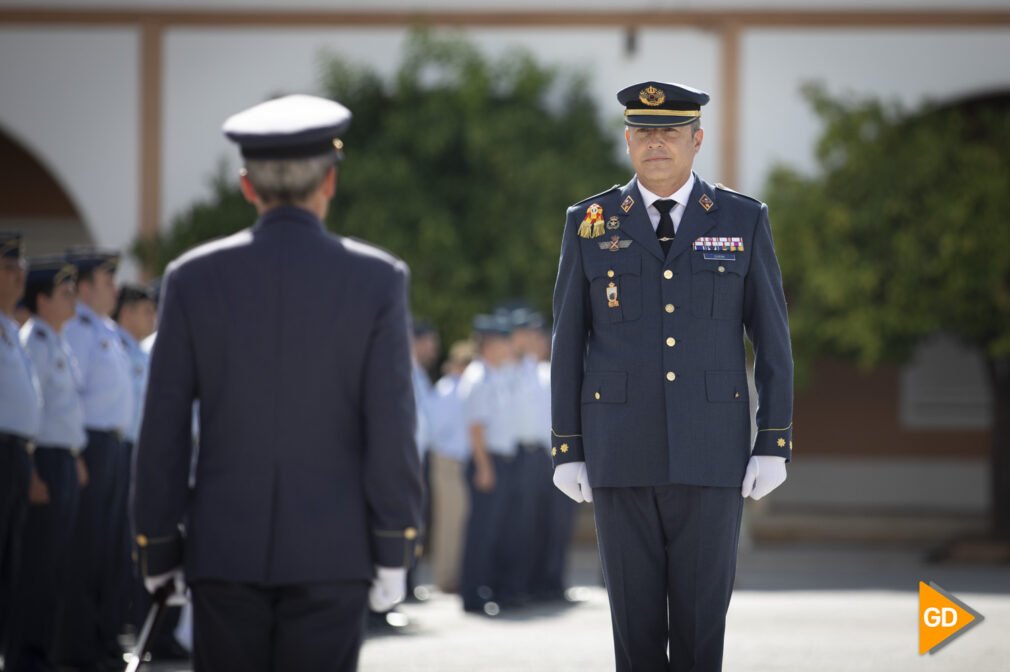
column 764, row 474
column 572, row 479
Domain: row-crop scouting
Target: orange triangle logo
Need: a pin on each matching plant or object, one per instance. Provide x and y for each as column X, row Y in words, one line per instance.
column 942, row 617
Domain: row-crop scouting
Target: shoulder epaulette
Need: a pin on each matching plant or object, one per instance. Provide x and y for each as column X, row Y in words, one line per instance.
column 723, row 187
column 602, row 193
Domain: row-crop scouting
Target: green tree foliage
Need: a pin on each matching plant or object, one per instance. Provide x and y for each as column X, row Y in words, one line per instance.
column 461, row 165
column 903, row 232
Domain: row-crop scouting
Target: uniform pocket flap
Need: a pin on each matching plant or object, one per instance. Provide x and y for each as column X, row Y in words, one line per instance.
column 605, row 388
column 726, row 385
column 619, row 265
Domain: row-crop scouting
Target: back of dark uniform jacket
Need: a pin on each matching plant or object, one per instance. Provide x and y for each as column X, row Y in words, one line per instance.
column 295, row 342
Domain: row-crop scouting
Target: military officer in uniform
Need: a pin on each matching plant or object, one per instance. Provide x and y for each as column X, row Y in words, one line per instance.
column 486, row 391
column 658, row 282
column 296, row 342
column 20, row 410
column 94, row 612
column 57, row 465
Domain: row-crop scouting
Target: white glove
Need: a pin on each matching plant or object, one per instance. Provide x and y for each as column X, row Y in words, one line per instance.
column 389, row 587
column 572, row 479
column 177, row 597
column 764, row 474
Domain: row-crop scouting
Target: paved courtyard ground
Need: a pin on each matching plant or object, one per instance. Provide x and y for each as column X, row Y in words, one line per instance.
column 797, row 608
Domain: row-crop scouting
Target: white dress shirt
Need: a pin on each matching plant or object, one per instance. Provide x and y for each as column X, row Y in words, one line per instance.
column 677, row 213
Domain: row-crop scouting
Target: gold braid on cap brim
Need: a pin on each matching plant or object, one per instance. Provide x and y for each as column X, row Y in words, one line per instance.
column 67, row 273
column 662, row 113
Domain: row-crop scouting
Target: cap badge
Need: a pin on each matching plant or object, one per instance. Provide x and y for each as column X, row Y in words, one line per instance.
column 592, row 225
column 652, row 96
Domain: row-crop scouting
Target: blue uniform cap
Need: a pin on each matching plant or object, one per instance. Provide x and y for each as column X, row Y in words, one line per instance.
column 524, row 318
column 10, row 245
column 661, row 104
column 290, row 127
column 47, row 272
column 492, row 325
column 87, row 258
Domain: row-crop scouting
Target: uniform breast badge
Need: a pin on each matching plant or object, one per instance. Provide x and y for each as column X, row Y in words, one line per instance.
column 592, row 224
column 612, row 301
column 614, row 244
column 613, row 223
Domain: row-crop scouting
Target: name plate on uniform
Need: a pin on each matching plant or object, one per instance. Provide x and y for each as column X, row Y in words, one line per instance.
column 719, row 256
column 718, row 244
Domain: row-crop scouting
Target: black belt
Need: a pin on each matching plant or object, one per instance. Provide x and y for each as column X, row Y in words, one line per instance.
column 15, row 441
column 107, row 433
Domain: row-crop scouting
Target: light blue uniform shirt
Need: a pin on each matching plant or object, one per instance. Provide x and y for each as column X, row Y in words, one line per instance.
column 140, row 364
column 488, row 397
column 448, row 422
column 422, row 397
column 20, row 394
column 62, row 423
column 107, row 392
column 531, row 403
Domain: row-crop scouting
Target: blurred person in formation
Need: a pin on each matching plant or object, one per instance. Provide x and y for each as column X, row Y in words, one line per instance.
column 93, row 616
column 305, row 503
column 659, row 281
column 425, row 346
column 554, row 512
column 530, row 407
column 486, row 390
column 58, row 469
column 448, row 457
column 134, row 315
column 20, row 414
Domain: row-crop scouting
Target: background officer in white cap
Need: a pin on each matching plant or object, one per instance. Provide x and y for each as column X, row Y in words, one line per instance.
column 58, row 469
column 93, row 616
column 20, row 411
column 296, row 342
column 658, row 282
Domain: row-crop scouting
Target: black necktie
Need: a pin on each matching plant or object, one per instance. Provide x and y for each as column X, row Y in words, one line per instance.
column 665, row 229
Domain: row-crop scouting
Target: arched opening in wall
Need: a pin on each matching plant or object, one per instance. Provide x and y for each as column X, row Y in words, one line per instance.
column 35, row 203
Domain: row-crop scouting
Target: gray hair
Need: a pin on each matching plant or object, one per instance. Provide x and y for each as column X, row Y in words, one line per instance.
column 287, row 181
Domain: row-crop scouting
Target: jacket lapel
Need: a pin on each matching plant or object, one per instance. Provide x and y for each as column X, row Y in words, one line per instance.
column 636, row 221
column 696, row 220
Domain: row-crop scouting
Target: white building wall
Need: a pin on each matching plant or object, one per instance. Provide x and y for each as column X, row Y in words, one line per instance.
column 69, row 95
column 907, row 66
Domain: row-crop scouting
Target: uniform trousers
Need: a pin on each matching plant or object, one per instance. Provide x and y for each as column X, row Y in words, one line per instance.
column 305, row 627
column 47, row 532
column 15, row 472
column 449, row 507
column 669, row 561
column 486, row 550
column 93, row 614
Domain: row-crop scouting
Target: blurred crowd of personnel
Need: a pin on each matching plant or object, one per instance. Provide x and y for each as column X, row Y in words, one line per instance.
column 74, row 354
column 498, row 530
column 74, row 350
